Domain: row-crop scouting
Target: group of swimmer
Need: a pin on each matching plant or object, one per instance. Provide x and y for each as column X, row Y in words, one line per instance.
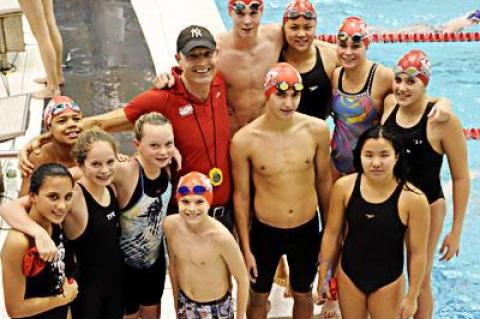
column 233, row 141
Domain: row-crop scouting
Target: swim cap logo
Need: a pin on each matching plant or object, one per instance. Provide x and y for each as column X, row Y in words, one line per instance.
column 426, row 67
column 196, row 33
column 270, row 79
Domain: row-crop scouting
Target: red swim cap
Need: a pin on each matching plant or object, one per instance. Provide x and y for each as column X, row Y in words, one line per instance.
column 281, row 72
column 353, row 28
column 58, row 105
column 415, row 63
column 297, row 8
column 195, row 183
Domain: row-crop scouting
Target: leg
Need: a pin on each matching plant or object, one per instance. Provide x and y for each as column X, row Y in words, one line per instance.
column 302, row 256
column 302, row 305
column 150, row 312
column 257, row 305
column 353, row 302
column 425, row 300
column 56, row 38
column 384, row 303
column 135, row 315
column 34, row 12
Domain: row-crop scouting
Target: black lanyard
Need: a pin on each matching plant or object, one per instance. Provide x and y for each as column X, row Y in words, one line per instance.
column 201, row 131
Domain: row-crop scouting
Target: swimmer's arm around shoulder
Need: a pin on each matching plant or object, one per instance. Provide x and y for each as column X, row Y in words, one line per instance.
column 455, row 146
column 418, row 223
column 167, row 226
column 113, row 121
column 442, row 111
column 15, row 214
column 14, row 281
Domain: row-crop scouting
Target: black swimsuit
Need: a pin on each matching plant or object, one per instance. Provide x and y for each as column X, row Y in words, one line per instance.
column 50, row 280
column 99, row 262
column 372, row 255
column 317, row 93
column 425, row 163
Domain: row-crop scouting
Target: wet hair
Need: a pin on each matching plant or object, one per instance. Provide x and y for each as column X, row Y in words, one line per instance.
column 47, row 170
column 89, row 137
column 400, row 170
column 153, row 118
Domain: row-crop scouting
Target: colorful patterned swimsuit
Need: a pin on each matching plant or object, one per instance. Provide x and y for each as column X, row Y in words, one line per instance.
column 353, row 114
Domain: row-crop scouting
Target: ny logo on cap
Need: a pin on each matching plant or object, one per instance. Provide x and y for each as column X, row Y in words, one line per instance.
column 196, row 33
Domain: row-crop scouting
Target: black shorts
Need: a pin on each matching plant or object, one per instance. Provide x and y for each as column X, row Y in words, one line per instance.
column 144, row 287
column 301, row 245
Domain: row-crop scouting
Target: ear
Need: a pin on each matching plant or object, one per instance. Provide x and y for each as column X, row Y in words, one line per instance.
column 136, row 142
column 33, row 198
column 177, row 57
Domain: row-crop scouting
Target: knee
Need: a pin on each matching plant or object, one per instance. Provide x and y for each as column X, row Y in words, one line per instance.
column 302, row 297
column 257, row 299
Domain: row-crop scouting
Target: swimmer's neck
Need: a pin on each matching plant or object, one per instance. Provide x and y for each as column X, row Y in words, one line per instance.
column 382, row 185
column 96, row 190
column 273, row 123
column 297, row 58
column 357, row 74
column 37, row 217
column 199, row 91
column 151, row 171
column 244, row 43
column 414, row 109
column 63, row 152
column 201, row 228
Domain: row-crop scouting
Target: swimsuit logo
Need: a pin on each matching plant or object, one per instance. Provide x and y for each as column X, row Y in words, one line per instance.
column 196, row 33
column 185, row 110
column 313, row 88
column 111, row 216
column 218, row 94
column 408, row 151
column 370, row 216
column 417, row 142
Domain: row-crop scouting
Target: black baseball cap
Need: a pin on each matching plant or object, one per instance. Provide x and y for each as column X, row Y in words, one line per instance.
column 195, row 36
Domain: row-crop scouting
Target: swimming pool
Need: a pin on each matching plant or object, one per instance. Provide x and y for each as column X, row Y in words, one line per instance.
column 455, row 75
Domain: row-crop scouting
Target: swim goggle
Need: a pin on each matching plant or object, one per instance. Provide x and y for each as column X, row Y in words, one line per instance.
column 195, row 190
column 284, row 86
column 61, row 107
column 291, row 14
column 356, row 37
column 238, row 7
column 412, row 71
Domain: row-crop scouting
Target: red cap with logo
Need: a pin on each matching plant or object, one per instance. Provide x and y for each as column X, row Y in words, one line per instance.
column 297, row 8
column 355, row 29
column 415, row 63
column 282, row 76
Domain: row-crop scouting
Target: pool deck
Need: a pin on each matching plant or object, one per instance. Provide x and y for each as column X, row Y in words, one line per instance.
column 161, row 21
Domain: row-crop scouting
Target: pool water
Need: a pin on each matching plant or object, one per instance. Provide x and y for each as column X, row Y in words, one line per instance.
column 455, row 76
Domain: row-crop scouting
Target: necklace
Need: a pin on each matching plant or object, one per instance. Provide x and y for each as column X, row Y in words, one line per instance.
column 215, row 174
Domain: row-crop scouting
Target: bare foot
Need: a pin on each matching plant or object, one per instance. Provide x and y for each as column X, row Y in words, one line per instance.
column 44, row 81
column 45, row 93
column 330, row 309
